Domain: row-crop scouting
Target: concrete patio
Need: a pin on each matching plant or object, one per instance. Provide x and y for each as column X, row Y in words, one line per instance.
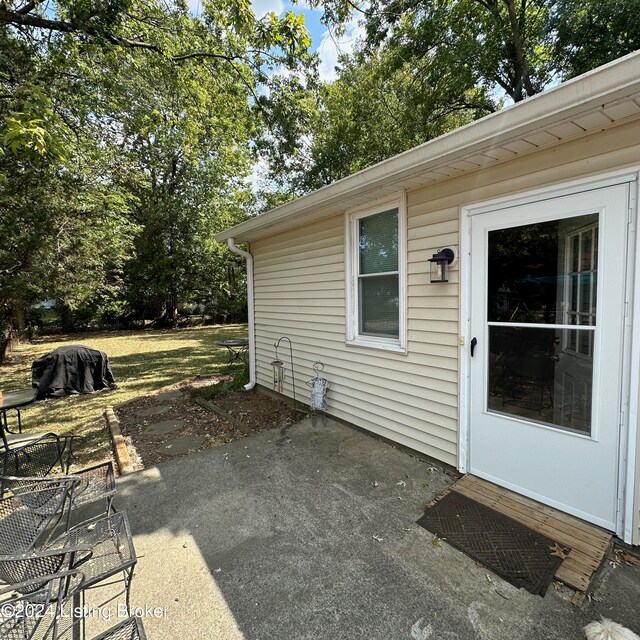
column 309, row 533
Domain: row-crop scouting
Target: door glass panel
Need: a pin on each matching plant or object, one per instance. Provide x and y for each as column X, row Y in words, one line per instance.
column 532, row 376
column 542, row 273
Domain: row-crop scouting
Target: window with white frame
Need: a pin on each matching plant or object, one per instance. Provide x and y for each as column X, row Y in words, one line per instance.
column 376, row 277
column 581, row 287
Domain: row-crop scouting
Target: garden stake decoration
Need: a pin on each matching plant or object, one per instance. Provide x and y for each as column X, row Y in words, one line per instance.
column 279, row 372
column 319, row 388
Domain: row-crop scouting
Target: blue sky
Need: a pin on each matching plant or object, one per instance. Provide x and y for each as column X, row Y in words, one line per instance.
column 325, row 43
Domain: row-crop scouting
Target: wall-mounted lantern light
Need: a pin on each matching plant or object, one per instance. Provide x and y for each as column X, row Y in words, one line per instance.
column 439, row 263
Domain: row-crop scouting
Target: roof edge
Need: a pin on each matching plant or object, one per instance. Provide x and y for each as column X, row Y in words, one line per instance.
column 604, row 83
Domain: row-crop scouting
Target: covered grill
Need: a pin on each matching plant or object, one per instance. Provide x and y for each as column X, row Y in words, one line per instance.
column 71, row 370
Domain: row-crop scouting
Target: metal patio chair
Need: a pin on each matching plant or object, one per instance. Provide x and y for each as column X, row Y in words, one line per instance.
column 70, row 621
column 70, row 626
column 91, row 485
column 46, row 609
column 30, row 610
column 95, row 483
column 37, row 455
column 26, row 516
column 101, row 548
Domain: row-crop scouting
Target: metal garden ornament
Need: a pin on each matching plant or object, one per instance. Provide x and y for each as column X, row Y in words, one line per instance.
column 319, row 388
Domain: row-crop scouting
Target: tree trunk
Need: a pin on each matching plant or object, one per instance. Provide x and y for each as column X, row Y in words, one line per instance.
column 20, row 316
column 172, row 312
column 66, row 316
column 517, row 53
column 8, row 337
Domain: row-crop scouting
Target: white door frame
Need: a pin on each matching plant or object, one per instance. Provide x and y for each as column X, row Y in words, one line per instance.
column 627, row 520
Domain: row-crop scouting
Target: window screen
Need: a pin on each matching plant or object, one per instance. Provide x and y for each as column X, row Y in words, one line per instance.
column 378, row 275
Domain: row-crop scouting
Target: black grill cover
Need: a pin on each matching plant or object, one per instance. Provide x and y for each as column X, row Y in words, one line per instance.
column 71, row 370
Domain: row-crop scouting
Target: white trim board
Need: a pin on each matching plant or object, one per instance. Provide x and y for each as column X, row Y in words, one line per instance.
column 630, row 472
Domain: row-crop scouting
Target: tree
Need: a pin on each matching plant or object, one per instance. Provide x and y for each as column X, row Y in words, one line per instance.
column 227, row 34
column 424, row 68
column 62, row 228
column 517, row 46
column 125, row 127
column 183, row 132
column 589, row 33
column 469, row 42
column 375, row 109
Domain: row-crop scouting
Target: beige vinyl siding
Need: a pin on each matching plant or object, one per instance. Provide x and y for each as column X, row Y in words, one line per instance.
column 300, row 293
column 410, row 398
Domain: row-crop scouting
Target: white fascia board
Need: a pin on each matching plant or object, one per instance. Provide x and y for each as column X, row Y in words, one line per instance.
column 606, row 84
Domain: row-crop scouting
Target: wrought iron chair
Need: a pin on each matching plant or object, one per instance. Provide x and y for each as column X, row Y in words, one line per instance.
column 33, row 615
column 91, row 485
column 101, row 548
column 96, row 483
column 26, row 516
column 48, row 611
column 37, row 456
column 71, row 626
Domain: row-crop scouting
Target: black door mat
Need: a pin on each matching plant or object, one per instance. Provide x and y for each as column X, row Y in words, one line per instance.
column 523, row 557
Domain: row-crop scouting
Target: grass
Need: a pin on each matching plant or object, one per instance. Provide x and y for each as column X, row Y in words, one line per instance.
column 142, row 361
column 239, row 373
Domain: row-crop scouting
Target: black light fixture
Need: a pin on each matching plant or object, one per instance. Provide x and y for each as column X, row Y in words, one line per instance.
column 439, row 262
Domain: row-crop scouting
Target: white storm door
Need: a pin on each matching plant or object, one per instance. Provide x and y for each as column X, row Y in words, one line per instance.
column 547, row 314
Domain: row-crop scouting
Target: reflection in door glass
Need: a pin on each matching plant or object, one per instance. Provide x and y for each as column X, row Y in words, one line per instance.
column 532, row 377
column 543, row 274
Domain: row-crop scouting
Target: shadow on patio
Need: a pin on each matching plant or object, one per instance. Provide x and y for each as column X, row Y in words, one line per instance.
column 310, row 532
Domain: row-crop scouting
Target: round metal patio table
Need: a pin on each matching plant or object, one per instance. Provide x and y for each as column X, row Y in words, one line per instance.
column 237, row 349
column 15, row 400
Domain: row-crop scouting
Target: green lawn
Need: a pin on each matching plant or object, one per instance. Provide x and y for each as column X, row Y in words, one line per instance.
column 142, row 361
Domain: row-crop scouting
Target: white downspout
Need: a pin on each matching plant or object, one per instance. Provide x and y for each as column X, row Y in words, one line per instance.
column 252, row 317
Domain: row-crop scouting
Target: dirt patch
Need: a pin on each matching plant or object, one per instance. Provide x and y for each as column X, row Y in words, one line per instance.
column 150, row 438
column 256, row 410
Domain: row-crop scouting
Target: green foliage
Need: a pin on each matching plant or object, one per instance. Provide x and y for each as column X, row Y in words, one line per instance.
column 238, row 377
column 185, row 155
column 516, row 46
column 468, row 43
column 593, row 32
column 378, row 109
column 426, row 67
column 374, row 110
column 125, row 130
column 64, row 236
column 31, row 128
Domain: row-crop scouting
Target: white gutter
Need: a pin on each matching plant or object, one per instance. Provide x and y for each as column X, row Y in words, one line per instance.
column 251, row 309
